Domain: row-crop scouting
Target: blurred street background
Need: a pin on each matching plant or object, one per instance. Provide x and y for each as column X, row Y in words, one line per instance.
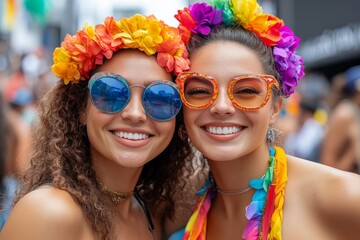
column 320, row 122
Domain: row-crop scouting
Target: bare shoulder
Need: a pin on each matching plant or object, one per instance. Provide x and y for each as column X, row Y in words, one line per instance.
column 328, row 185
column 45, row 213
column 331, row 194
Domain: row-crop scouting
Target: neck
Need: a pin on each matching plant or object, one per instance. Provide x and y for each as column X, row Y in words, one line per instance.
column 117, row 179
column 115, row 197
column 236, row 174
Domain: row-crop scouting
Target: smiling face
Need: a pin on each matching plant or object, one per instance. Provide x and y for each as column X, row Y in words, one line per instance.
column 222, row 132
column 129, row 138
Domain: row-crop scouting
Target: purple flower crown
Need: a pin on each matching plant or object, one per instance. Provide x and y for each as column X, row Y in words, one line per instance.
column 201, row 18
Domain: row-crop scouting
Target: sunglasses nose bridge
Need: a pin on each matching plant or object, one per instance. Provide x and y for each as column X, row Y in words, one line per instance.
column 222, row 104
column 134, row 110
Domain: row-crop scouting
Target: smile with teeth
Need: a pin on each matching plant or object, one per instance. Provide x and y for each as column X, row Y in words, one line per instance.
column 131, row 136
column 223, row 130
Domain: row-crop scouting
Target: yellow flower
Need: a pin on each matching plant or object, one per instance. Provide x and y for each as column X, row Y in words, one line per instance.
column 245, row 11
column 141, row 32
column 64, row 67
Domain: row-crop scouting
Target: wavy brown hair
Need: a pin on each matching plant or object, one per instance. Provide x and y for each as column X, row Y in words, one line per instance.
column 61, row 158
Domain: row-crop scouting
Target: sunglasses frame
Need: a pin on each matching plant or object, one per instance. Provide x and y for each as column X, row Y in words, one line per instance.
column 182, row 77
column 99, row 75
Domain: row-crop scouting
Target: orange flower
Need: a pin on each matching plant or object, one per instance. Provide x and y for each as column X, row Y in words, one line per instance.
column 185, row 18
column 267, row 27
column 114, row 28
column 172, row 53
column 186, row 23
column 104, row 40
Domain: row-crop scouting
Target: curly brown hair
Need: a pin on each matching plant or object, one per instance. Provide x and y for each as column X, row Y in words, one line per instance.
column 61, row 158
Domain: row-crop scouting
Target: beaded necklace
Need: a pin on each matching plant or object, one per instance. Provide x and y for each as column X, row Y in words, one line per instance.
column 264, row 213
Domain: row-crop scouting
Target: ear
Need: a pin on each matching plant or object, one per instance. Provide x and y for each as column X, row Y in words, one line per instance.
column 276, row 109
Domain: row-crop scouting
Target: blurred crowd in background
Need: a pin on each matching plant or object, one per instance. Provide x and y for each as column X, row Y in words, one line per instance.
column 321, row 122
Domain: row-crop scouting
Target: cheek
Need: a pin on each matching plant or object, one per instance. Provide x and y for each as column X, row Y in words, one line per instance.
column 190, row 116
column 192, row 113
column 261, row 119
column 165, row 129
column 96, row 120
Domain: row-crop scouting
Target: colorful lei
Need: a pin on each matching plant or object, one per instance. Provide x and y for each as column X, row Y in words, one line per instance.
column 201, row 18
column 81, row 53
column 264, row 213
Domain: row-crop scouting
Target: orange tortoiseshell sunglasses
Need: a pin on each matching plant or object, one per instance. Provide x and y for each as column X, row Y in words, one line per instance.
column 247, row 92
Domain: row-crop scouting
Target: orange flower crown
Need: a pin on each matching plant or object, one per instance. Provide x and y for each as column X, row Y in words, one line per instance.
column 81, row 53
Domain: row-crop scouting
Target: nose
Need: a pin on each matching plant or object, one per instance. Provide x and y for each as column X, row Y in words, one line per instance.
column 134, row 111
column 222, row 104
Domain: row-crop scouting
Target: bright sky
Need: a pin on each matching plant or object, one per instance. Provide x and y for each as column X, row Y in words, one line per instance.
column 95, row 11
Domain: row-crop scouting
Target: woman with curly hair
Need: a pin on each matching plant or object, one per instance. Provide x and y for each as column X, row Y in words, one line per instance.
column 106, row 164
column 243, row 64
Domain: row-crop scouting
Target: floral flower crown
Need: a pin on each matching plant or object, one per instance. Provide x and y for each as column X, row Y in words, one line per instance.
column 81, row 53
column 201, row 18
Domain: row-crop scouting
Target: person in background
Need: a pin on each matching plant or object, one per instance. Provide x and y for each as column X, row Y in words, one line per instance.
column 243, row 63
column 103, row 165
column 8, row 183
column 341, row 146
column 308, row 136
column 305, row 141
column 18, row 94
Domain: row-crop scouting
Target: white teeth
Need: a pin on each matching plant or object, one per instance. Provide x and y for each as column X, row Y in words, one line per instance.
column 222, row 130
column 131, row 136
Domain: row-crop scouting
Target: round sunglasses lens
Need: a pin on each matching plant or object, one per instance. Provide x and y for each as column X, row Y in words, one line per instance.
column 250, row 92
column 162, row 102
column 109, row 94
column 198, row 91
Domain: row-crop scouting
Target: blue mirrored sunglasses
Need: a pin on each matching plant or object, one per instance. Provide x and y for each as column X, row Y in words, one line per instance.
column 110, row 93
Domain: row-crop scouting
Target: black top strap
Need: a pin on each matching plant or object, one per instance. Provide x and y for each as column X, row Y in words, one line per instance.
column 146, row 212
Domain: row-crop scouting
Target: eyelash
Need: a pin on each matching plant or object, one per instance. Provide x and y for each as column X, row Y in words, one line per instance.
column 248, row 90
column 197, row 91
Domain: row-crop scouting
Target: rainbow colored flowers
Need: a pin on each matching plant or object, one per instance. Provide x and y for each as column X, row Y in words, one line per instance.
column 201, row 18
column 81, row 53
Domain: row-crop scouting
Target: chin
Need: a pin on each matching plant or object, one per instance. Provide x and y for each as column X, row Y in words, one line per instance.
column 220, row 156
column 133, row 161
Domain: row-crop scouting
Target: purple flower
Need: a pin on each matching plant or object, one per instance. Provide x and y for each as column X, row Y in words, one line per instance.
column 254, row 209
column 206, row 18
column 288, row 39
column 290, row 67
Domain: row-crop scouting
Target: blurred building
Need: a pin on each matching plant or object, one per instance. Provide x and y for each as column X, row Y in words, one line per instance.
column 330, row 32
column 26, row 25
